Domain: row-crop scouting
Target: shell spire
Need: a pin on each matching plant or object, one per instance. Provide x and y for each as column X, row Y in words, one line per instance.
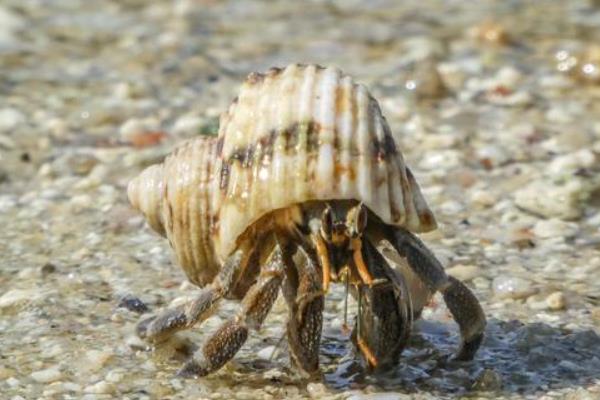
column 145, row 193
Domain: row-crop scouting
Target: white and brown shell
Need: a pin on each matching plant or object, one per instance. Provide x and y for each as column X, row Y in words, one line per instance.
column 302, row 133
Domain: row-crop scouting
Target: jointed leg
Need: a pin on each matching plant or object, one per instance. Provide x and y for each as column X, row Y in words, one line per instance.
column 222, row 345
column 161, row 327
column 461, row 302
column 304, row 295
column 467, row 312
column 385, row 316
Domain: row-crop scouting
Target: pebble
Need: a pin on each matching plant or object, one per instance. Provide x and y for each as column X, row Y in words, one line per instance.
column 551, row 200
column 549, row 228
column 10, row 118
column 187, row 125
column 316, row 390
column 101, row 387
column 512, row 287
column 567, row 164
column 464, row 273
column 16, row 297
column 52, row 374
column 131, row 129
column 132, row 303
column 266, row 353
column 96, row 359
column 483, row 198
column 556, row 301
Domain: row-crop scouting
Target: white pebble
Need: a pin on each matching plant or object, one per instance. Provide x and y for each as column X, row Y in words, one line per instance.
column 316, row 390
column 10, row 118
column 187, row 125
column 47, row 375
column 483, row 198
column 13, row 382
column 464, row 272
column 550, row 200
column 512, row 287
column 549, row 228
column 266, row 353
column 15, row 297
column 568, row 163
column 101, row 387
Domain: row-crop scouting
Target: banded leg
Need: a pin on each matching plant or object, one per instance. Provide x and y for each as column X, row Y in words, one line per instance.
column 303, row 292
column 461, row 302
column 223, row 344
column 160, row 327
column 384, row 317
column 467, row 312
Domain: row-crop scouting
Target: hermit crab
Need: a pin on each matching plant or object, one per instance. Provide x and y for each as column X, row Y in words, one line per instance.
column 302, row 186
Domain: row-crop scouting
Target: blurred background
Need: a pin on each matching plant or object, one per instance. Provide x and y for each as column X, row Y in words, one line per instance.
column 496, row 107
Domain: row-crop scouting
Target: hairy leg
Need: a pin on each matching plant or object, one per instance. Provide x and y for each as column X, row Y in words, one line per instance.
column 384, row 318
column 303, row 292
column 461, row 302
column 160, row 327
column 223, row 344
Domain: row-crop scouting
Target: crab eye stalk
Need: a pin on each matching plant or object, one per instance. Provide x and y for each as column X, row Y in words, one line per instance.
column 356, row 220
column 327, row 224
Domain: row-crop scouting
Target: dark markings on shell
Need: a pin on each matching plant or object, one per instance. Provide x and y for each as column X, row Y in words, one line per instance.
column 224, row 178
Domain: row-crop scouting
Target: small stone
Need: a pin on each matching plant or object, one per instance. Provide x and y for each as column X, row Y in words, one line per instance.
column 47, row 375
column 10, row 118
column 316, row 390
column 47, row 269
column 513, row 287
column 132, row 303
column 556, row 301
column 5, row 373
column 266, row 353
column 550, row 200
column 135, row 343
column 567, row 164
column 96, row 359
column 101, row 387
column 187, row 125
column 15, row 297
column 488, row 381
column 464, row 273
column 490, row 32
column 13, row 382
column 549, row 228
column 483, row 198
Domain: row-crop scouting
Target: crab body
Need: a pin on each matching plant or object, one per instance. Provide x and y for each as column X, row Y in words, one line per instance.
column 304, row 163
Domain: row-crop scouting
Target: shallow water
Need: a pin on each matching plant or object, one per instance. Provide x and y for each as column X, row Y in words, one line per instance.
column 496, row 109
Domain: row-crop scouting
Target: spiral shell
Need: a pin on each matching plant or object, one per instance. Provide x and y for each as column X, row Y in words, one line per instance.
column 298, row 134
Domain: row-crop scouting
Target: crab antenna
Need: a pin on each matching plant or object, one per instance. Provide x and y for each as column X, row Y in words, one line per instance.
column 345, row 326
column 276, row 347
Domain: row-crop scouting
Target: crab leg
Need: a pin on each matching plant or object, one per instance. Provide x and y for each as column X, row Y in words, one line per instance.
column 223, row 344
column 357, row 256
column 385, row 313
column 304, row 295
column 323, row 255
column 461, row 302
column 159, row 328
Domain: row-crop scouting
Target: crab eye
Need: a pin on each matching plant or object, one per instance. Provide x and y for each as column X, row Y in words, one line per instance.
column 327, row 224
